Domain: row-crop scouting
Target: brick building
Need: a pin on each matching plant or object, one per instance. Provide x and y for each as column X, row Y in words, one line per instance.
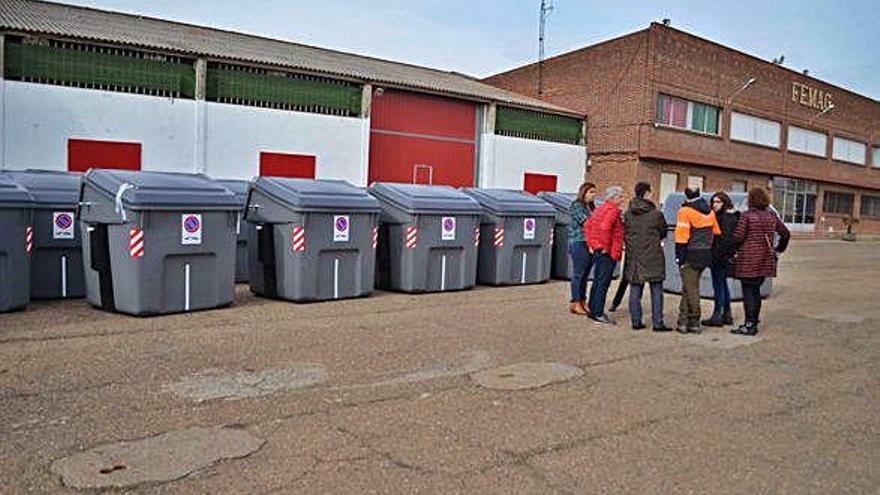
column 675, row 109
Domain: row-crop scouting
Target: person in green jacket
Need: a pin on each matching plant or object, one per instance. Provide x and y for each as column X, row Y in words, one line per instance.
column 581, row 258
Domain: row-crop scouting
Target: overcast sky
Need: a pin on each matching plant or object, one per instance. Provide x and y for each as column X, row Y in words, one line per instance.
column 836, row 40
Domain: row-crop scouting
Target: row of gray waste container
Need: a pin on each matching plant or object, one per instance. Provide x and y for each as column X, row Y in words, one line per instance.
column 154, row 243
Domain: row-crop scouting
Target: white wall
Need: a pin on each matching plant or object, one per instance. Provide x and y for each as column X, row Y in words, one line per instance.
column 237, row 134
column 505, row 160
column 175, row 135
column 38, row 119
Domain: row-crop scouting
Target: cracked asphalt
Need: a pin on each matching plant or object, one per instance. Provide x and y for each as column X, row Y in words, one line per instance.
column 394, row 410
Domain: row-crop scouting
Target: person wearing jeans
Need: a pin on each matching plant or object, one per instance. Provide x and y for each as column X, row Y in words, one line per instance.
column 723, row 249
column 581, row 258
column 644, row 230
column 604, row 234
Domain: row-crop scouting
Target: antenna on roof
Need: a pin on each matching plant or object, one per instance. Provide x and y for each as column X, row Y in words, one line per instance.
column 667, row 21
column 806, row 72
column 779, row 60
column 546, row 8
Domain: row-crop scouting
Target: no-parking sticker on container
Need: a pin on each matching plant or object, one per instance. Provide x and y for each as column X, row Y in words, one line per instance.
column 341, row 228
column 529, row 229
column 191, row 228
column 62, row 225
column 447, row 229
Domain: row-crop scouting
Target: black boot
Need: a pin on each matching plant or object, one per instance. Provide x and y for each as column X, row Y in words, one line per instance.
column 714, row 321
column 726, row 317
column 746, row 329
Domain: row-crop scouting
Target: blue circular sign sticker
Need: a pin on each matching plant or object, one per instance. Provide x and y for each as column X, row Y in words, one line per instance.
column 341, row 224
column 191, row 224
column 63, row 221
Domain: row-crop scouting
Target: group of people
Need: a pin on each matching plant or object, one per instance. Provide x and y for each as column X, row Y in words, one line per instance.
column 708, row 235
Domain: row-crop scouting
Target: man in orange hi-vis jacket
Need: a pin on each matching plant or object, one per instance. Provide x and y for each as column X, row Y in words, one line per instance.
column 695, row 230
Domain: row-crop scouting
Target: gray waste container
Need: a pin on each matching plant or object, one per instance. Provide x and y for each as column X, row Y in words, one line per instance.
column 157, row 243
column 240, row 188
column 673, row 277
column 515, row 231
column 427, row 238
column 57, row 266
column 311, row 240
column 561, row 264
column 16, row 245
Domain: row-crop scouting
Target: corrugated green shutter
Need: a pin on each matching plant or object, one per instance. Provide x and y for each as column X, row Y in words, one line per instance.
column 108, row 69
column 284, row 91
column 536, row 125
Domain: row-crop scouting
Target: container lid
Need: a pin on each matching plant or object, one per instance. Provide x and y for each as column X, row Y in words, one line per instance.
column 162, row 190
column 317, row 195
column 13, row 195
column 560, row 201
column 239, row 187
column 417, row 198
column 49, row 188
column 509, row 202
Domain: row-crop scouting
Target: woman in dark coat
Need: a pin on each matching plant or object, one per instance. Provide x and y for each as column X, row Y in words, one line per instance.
column 644, row 230
column 723, row 249
column 756, row 255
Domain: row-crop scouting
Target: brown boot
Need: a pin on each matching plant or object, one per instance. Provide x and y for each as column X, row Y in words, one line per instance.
column 577, row 308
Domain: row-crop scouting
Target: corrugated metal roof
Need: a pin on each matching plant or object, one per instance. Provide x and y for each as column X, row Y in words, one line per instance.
column 70, row 21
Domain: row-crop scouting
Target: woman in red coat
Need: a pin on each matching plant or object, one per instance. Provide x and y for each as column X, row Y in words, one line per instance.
column 756, row 255
column 604, row 235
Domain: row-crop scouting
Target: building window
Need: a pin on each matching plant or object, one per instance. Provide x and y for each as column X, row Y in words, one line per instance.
column 876, row 158
column 668, row 185
column 838, row 202
column 848, row 150
column 795, row 200
column 695, row 182
column 806, row 141
column 686, row 114
column 739, row 186
column 754, row 130
column 870, row 206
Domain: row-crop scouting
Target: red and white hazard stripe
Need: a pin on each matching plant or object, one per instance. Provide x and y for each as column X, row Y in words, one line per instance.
column 499, row 236
column 299, row 239
column 136, row 243
column 412, row 237
column 29, row 239
column 477, row 236
column 375, row 237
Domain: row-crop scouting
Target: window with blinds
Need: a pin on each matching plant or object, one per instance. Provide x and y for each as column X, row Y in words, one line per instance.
column 848, row 150
column 838, row 202
column 751, row 129
column 685, row 114
column 870, row 206
column 807, row 141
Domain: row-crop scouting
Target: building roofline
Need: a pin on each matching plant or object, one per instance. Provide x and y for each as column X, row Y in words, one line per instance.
column 535, row 105
column 766, row 62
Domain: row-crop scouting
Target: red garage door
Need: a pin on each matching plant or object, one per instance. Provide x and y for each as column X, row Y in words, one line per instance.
column 83, row 154
column 422, row 139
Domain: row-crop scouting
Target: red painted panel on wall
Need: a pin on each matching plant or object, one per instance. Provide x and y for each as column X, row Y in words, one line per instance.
column 287, row 165
column 535, row 183
column 416, row 113
column 406, row 159
column 83, row 154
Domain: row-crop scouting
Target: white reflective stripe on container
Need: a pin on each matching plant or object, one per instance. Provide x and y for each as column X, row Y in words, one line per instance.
column 64, row 276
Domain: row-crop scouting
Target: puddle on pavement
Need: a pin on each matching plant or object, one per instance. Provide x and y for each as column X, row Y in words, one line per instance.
column 161, row 458
column 523, row 376
column 223, row 384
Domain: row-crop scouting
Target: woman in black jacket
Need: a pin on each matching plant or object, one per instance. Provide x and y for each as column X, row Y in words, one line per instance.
column 723, row 250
